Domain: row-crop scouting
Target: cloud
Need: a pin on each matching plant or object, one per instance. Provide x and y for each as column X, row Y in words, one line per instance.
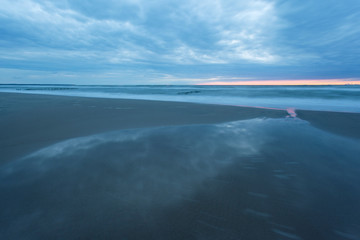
column 325, row 30
column 172, row 37
column 48, row 25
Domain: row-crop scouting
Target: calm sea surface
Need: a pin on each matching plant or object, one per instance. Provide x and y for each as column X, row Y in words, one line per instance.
column 331, row 98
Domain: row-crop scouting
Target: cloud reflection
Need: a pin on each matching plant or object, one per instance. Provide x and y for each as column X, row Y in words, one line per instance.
column 153, row 165
column 186, row 182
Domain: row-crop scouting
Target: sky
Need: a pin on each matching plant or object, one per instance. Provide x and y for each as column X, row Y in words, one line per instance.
column 179, row 42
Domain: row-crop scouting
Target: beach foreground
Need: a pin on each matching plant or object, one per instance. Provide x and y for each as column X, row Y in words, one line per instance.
column 87, row 168
column 29, row 122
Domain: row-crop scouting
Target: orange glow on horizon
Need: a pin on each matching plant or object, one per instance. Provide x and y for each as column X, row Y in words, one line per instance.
column 288, row 82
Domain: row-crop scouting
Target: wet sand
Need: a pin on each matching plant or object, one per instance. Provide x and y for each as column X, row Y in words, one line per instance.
column 345, row 124
column 29, row 121
column 86, row 168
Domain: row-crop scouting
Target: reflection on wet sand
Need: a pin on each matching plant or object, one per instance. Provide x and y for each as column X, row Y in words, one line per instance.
column 253, row 179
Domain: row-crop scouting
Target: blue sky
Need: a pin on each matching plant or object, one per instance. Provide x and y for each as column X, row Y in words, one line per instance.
column 177, row 42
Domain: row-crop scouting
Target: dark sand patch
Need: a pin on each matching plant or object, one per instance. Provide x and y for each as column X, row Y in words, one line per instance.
column 345, row 124
column 29, row 121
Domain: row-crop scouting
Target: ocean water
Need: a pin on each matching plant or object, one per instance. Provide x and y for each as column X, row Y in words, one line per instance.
column 328, row 98
column 253, row 179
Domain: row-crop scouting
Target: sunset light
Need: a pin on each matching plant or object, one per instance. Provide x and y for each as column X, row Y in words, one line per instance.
column 288, row 82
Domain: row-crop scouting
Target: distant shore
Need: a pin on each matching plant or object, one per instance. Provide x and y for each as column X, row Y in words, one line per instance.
column 29, row 121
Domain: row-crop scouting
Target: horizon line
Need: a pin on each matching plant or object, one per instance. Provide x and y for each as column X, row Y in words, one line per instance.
column 198, row 84
column 215, row 82
column 299, row 82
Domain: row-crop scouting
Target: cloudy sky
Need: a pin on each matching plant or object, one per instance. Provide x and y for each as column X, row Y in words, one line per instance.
column 178, row 42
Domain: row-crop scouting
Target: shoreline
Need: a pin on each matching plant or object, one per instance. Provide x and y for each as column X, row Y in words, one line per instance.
column 95, row 95
column 31, row 121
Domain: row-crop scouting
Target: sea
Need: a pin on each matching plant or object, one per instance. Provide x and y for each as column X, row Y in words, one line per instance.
column 325, row 98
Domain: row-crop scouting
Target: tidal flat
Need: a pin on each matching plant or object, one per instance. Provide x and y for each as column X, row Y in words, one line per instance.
column 84, row 168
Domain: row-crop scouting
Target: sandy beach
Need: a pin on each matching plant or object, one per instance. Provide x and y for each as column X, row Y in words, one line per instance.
column 29, row 121
column 345, row 124
column 94, row 168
